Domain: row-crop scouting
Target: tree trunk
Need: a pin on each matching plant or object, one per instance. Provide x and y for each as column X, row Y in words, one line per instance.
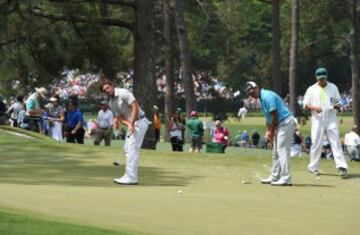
column 144, row 64
column 294, row 56
column 186, row 73
column 169, row 62
column 276, row 47
column 354, row 59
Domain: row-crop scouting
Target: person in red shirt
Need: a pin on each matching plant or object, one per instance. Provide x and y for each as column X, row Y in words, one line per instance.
column 221, row 134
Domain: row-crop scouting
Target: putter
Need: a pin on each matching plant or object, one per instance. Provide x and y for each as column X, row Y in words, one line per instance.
column 116, row 161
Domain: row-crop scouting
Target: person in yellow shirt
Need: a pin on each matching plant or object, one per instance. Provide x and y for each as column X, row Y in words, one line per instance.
column 157, row 123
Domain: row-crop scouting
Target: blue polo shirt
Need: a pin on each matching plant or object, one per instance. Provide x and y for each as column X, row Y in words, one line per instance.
column 271, row 101
column 72, row 118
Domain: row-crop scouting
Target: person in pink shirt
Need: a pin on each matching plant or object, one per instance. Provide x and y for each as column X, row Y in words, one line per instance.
column 221, row 134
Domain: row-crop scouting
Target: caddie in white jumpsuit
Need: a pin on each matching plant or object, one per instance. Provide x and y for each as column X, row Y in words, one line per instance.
column 124, row 106
column 280, row 130
column 323, row 100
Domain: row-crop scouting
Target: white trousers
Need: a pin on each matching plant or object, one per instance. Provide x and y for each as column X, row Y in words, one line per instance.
column 56, row 131
column 321, row 124
column 281, row 150
column 132, row 148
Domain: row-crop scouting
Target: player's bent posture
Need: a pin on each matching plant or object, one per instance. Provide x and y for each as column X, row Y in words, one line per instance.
column 124, row 106
column 280, row 129
column 323, row 100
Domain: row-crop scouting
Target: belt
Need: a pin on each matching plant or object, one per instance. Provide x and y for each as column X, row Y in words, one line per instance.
column 141, row 117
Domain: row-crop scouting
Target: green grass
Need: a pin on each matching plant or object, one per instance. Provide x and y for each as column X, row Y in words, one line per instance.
column 18, row 224
column 71, row 185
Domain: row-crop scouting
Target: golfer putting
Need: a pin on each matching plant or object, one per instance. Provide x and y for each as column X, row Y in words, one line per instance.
column 280, row 129
column 124, row 105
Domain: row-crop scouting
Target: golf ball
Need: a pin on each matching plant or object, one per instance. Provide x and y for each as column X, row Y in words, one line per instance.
column 179, row 192
column 318, row 178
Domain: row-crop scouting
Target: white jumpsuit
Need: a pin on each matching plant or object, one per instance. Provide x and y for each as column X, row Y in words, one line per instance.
column 323, row 123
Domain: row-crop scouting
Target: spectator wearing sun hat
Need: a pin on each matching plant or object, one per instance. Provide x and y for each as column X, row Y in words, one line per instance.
column 196, row 130
column 33, row 109
column 56, row 118
column 221, row 134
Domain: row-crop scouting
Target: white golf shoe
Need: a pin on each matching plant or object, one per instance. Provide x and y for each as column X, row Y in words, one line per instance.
column 268, row 180
column 281, row 182
column 124, row 181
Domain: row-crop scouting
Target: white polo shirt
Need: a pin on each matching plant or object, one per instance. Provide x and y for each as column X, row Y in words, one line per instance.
column 120, row 104
column 352, row 139
column 315, row 96
column 105, row 119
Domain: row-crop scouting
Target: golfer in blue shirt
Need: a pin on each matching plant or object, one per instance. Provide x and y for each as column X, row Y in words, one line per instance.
column 280, row 129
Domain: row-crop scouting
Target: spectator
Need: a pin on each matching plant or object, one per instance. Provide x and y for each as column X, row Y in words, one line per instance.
column 242, row 113
column 45, row 125
column 297, row 143
column 238, row 139
column 308, row 144
column 255, row 137
column 175, row 129
column 56, row 119
column 33, row 110
column 183, row 122
column 15, row 109
column 105, row 122
column 2, row 111
column 157, row 123
column 221, row 135
column 352, row 144
column 74, row 124
column 245, row 139
column 196, row 132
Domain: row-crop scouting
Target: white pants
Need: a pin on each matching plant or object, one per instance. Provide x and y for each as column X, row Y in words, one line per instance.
column 132, row 148
column 281, row 150
column 56, row 131
column 325, row 121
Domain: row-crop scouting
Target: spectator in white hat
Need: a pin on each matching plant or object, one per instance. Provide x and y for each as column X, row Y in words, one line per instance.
column 33, row 109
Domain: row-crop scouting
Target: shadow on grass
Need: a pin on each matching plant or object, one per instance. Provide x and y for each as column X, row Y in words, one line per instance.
column 352, row 176
column 314, row 185
column 86, row 175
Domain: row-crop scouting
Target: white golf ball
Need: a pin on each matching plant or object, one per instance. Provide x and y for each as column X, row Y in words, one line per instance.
column 179, row 192
column 318, row 178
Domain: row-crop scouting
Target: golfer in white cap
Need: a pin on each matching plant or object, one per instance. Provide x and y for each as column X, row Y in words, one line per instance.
column 323, row 100
column 124, row 106
column 280, row 129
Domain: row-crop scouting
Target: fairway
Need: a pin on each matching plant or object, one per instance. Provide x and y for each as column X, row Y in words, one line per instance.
column 178, row 193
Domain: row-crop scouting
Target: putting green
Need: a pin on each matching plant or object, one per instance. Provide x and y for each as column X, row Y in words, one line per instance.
column 72, row 183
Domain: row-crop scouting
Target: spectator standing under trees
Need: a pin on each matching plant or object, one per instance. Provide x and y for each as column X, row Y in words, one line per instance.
column 196, row 130
column 15, row 109
column 56, row 118
column 183, row 122
column 242, row 113
column 157, row 123
column 33, row 110
column 175, row 129
column 74, row 124
column 104, row 123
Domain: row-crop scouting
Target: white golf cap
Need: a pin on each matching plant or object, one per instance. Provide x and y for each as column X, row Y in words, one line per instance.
column 249, row 87
column 42, row 91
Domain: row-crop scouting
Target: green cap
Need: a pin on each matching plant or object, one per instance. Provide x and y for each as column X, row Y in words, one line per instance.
column 321, row 73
